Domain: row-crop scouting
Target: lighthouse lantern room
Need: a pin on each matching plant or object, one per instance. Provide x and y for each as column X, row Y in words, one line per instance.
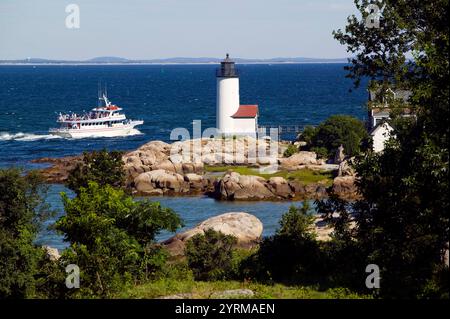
column 232, row 118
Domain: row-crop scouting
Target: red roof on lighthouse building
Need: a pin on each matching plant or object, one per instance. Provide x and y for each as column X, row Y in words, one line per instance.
column 246, row 111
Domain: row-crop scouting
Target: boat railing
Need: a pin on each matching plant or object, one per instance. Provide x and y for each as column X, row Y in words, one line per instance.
column 84, row 117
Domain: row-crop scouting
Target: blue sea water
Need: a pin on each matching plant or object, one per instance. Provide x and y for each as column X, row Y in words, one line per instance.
column 165, row 97
column 193, row 210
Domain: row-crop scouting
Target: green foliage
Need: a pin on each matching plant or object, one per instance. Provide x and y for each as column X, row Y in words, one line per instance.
column 210, row 255
column 297, row 224
column 335, row 131
column 378, row 53
column 403, row 220
column 112, row 238
column 102, row 167
column 210, row 289
column 343, row 261
column 21, row 214
column 176, row 270
column 51, row 279
column 308, row 133
column 305, row 176
column 291, row 150
column 293, row 253
column 322, row 152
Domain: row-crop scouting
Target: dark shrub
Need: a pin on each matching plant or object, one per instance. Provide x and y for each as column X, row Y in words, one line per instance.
column 112, row 238
column 291, row 150
column 210, row 256
column 102, row 167
column 293, row 253
column 22, row 210
column 335, row 131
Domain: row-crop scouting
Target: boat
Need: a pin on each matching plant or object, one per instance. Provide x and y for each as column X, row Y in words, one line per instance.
column 106, row 120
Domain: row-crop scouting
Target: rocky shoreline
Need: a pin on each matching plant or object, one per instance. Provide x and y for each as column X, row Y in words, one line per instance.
column 177, row 169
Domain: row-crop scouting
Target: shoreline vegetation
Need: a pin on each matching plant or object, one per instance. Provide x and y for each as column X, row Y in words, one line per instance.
column 230, row 289
column 305, row 175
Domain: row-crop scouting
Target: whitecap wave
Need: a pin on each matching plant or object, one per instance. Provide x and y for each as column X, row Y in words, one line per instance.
column 29, row 137
column 134, row 132
column 25, row 137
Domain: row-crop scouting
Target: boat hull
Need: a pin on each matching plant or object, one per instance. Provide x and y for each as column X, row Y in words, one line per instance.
column 95, row 132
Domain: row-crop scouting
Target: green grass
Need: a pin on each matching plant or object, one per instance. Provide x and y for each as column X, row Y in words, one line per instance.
column 306, row 176
column 204, row 290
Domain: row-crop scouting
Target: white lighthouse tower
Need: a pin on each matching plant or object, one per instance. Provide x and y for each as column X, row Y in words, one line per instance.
column 231, row 117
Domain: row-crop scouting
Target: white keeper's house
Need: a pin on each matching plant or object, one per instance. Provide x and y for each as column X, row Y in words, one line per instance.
column 232, row 118
column 379, row 114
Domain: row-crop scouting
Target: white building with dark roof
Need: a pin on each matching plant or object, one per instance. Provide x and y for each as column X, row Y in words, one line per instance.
column 380, row 135
column 379, row 114
column 232, row 118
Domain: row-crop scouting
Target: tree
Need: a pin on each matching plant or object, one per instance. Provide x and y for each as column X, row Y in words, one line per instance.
column 307, row 134
column 22, row 211
column 402, row 223
column 102, row 167
column 335, row 131
column 297, row 223
column 293, row 253
column 210, row 255
column 291, row 150
column 344, row 261
column 378, row 53
column 112, row 237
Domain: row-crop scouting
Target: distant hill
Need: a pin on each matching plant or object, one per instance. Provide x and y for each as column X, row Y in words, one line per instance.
column 175, row 60
column 108, row 59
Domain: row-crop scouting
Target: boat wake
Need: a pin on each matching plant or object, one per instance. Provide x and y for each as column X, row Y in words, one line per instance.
column 130, row 133
column 30, row 137
column 134, row 132
column 26, row 137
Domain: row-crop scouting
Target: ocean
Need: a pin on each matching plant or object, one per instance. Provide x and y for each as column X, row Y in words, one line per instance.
column 165, row 97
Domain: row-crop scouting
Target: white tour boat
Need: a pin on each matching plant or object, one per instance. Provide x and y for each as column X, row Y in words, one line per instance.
column 102, row 121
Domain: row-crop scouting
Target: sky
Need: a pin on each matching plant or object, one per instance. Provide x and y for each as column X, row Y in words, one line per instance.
column 148, row 29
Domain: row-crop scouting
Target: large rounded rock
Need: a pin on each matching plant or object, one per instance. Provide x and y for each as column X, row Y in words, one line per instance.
column 234, row 186
column 345, row 187
column 245, row 227
column 157, row 147
column 298, row 160
column 51, row 253
column 196, row 167
column 168, row 165
column 280, row 187
column 159, row 182
column 308, row 191
column 148, row 154
column 195, row 181
column 146, row 158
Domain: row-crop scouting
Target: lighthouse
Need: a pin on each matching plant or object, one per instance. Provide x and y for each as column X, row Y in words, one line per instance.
column 232, row 118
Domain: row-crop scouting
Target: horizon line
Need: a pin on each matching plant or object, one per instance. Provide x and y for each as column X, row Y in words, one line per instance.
column 200, row 59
